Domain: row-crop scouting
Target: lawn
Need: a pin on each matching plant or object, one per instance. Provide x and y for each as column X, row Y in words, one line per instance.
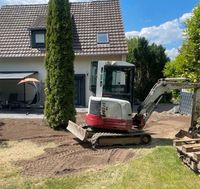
column 159, row 167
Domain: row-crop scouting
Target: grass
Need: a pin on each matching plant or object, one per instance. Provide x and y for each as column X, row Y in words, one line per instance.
column 158, row 169
column 21, row 150
column 10, row 151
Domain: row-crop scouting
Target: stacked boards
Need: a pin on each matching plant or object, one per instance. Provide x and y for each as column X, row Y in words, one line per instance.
column 189, row 151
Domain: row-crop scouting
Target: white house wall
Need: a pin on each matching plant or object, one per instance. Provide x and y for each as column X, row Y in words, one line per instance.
column 81, row 66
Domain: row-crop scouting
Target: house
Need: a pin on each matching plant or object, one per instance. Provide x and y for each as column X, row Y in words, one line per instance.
column 98, row 34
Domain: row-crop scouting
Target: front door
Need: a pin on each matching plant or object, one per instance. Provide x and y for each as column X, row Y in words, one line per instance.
column 80, row 90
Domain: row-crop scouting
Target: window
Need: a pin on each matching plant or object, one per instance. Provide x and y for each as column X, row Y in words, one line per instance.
column 38, row 38
column 93, row 76
column 102, row 38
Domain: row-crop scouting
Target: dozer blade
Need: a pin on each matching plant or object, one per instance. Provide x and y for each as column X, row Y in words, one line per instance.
column 77, row 131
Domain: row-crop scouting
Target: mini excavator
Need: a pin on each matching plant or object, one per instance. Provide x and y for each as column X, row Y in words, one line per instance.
column 109, row 120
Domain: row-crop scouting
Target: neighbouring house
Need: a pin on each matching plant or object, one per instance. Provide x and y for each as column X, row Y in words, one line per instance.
column 98, row 35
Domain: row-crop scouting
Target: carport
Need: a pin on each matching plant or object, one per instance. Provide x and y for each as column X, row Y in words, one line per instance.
column 8, row 84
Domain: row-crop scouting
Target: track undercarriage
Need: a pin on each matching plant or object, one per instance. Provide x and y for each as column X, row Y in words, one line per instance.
column 99, row 138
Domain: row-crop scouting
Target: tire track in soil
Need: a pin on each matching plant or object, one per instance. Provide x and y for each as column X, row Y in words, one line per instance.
column 66, row 159
column 71, row 156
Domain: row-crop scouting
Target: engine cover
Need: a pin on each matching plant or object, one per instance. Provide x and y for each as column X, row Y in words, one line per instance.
column 109, row 113
column 107, row 123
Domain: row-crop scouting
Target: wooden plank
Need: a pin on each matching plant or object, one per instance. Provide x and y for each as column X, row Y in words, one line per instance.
column 179, row 148
column 197, row 155
column 191, row 147
column 179, row 142
column 193, row 166
column 189, row 152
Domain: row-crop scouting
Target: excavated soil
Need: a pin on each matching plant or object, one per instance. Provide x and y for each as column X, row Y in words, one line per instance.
column 72, row 156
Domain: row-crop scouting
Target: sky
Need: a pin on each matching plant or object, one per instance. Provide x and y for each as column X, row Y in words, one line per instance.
column 160, row 21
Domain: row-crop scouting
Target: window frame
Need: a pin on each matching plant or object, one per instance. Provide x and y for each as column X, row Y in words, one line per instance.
column 39, row 36
column 101, row 33
column 33, row 38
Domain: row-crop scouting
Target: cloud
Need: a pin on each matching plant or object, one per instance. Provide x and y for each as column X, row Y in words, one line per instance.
column 185, row 17
column 172, row 53
column 164, row 34
column 168, row 34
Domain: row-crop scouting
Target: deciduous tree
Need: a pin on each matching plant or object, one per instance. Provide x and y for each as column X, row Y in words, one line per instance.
column 187, row 63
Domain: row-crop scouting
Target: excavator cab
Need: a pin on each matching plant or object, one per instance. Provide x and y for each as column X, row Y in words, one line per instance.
column 113, row 79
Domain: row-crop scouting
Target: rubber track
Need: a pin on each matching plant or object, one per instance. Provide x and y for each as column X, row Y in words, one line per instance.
column 94, row 139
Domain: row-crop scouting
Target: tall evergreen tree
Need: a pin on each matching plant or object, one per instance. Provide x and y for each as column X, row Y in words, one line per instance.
column 59, row 86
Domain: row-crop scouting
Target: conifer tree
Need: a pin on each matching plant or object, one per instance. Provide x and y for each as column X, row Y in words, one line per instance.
column 59, row 85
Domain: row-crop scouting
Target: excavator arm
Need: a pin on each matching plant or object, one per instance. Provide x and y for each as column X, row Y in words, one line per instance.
column 160, row 88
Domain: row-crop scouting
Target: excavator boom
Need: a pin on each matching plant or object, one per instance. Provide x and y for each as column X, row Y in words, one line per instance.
column 162, row 87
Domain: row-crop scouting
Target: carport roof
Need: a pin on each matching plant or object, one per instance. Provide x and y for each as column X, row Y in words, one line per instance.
column 15, row 75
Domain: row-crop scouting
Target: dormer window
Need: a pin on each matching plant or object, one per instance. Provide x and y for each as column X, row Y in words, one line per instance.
column 102, row 38
column 38, row 38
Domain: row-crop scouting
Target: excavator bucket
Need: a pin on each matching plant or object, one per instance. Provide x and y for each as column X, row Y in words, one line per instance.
column 77, row 131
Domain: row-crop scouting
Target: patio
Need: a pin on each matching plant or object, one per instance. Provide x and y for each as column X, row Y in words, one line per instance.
column 27, row 113
column 17, row 93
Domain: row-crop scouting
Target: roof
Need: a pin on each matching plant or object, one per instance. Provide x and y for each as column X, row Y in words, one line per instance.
column 88, row 19
column 39, row 23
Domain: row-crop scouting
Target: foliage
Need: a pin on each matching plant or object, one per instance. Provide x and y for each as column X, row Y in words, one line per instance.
column 59, row 88
column 187, row 63
column 149, row 60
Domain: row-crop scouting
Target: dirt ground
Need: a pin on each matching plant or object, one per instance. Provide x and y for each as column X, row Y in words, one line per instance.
column 70, row 155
